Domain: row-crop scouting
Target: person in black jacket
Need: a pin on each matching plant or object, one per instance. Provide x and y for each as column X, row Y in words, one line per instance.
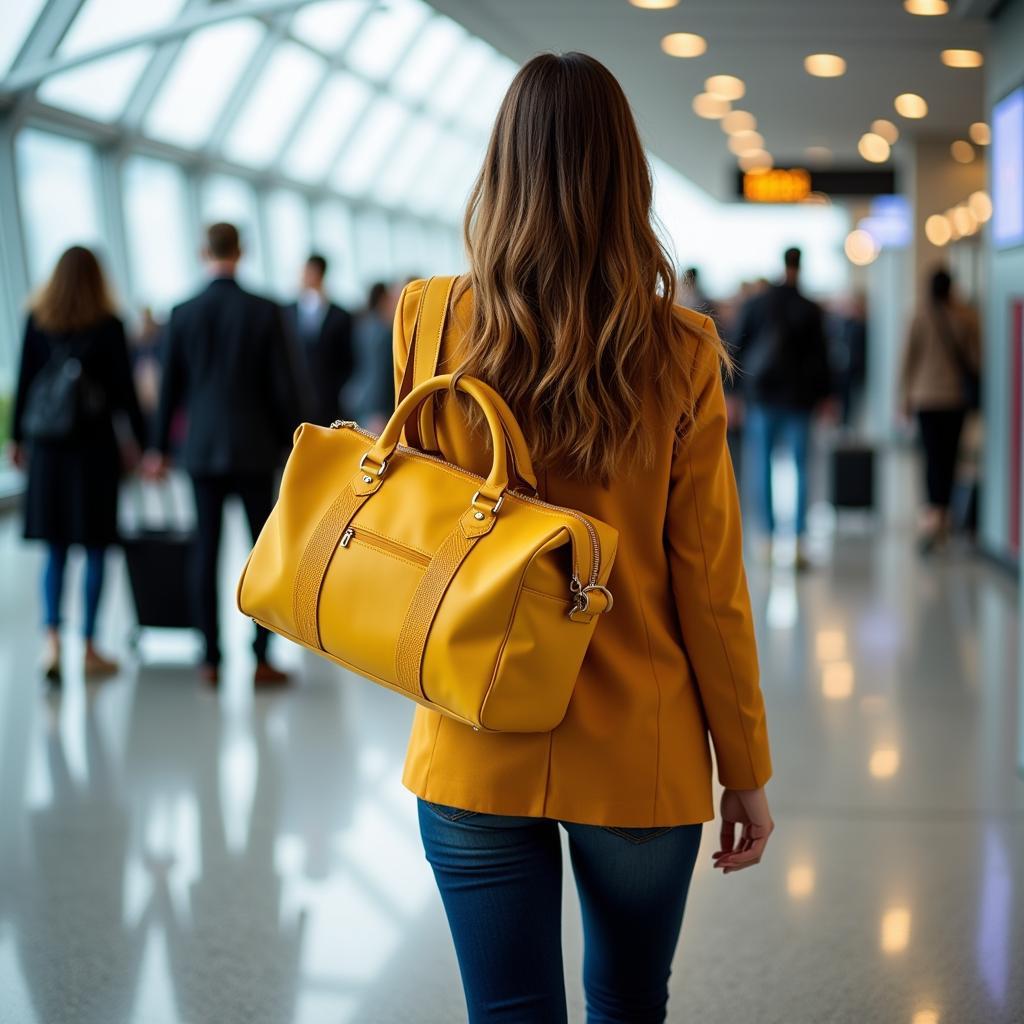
column 227, row 361
column 75, row 377
column 323, row 332
column 782, row 356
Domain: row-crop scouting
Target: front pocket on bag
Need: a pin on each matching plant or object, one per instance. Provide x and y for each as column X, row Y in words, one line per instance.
column 368, row 586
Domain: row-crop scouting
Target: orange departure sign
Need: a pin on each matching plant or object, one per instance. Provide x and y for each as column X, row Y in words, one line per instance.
column 777, row 185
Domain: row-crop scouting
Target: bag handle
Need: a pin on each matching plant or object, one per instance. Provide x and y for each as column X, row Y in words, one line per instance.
column 421, row 365
column 499, row 420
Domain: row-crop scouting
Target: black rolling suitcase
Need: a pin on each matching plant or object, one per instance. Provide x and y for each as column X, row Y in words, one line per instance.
column 159, row 560
column 853, row 476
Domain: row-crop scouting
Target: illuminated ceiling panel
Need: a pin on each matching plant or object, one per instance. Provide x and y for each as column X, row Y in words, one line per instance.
column 99, row 89
column 383, row 39
column 102, row 22
column 328, row 26
column 374, row 138
column 17, row 17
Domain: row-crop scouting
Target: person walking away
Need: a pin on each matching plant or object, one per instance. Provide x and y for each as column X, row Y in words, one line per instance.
column 568, row 312
column 323, row 335
column 938, row 385
column 372, row 390
column 75, row 378
column 227, row 360
column 782, row 356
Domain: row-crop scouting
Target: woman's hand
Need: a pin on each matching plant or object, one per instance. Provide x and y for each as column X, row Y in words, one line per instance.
column 749, row 808
column 18, row 456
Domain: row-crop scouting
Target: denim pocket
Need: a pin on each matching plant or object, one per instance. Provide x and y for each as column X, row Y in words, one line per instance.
column 637, row 835
column 449, row 813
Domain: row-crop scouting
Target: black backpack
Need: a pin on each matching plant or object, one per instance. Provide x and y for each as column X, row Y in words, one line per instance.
column 63, row 399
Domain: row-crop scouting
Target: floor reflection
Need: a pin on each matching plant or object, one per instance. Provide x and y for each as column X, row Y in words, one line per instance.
column 172, row 856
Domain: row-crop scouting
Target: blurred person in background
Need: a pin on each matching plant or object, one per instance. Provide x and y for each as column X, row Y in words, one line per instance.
column 782, row 357
column 939, row 384
column 228, row 362
column 75, row 379
column 144, row 348
column 848, row 349
column 373, row 388
column 691, row 294
column 323, row 334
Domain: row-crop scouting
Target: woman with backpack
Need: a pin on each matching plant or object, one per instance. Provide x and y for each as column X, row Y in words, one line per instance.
column 939, row 385
column 568, row 312
column 75, row 378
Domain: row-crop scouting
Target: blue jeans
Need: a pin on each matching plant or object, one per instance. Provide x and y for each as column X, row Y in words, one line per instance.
column 501, row 884
column 766, row 426
column 53, row 585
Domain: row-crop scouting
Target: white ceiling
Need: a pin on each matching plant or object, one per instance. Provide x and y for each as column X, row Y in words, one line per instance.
column 764, row 42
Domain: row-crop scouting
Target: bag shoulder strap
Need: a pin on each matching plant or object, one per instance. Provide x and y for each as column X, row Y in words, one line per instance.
column 424, row 354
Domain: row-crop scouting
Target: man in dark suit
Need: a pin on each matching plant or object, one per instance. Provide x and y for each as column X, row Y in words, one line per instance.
column 227, row 363
column 323, row 333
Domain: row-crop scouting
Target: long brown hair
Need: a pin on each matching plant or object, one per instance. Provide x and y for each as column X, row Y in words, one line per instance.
column 76, row 297
column 573, row 291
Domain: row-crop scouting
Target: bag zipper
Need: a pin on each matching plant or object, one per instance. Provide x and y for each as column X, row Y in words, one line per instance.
column 595, row 541
column 375, row 540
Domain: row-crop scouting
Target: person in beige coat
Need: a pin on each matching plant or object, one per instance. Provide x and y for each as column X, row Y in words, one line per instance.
column 938, row 386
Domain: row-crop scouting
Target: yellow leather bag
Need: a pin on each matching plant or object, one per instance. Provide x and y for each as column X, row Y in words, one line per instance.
column 469, row 597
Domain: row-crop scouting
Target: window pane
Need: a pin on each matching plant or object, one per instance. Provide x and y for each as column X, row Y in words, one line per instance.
column 333, row 236
column 407, row 163
column 100, row 22
column 204, row 73
column 384, row 37
column 452, row 159
column 99, row 89
column 223, row 198
column 273, row 104
column 412, row 255
column 328, row 26
column 458, row 81
column 373, row 243
column 481, row 105
column 159, row 245
column 429, row 54
column 334, row 113
column 57, row 185
column 17, row 17
column 374, row 137
column 288, row 226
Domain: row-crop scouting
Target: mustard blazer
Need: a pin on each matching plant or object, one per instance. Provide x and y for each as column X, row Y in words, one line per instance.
column 673, row 662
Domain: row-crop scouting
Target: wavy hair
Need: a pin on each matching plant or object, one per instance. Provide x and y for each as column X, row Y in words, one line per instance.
column 573, row 291
column 76, row 296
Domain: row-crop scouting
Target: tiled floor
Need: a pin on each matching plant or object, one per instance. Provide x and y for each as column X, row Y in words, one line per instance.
column 170, row 855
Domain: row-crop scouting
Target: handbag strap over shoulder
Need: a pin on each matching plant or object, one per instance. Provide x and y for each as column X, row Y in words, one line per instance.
column 424, row 354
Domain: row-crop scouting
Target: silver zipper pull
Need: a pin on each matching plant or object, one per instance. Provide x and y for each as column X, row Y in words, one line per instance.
column 347, row 536
column 338, row 424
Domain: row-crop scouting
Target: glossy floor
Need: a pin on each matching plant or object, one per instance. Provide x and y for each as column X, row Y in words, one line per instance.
column 171, row 855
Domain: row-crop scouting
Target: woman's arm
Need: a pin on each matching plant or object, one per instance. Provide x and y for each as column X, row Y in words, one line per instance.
column 703, row 537
column 32, row 359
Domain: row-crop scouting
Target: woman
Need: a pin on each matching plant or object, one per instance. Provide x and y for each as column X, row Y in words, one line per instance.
column 75, row 377
column 938, row 384
column 568, row 311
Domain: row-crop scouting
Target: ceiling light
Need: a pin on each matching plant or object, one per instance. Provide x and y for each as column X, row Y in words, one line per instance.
column 756, row 160
column 819, row 154
column 800, row 881
column 981, row 206
column 711, row 107
column 861, row 249
column 964, row 220
column 962, row 151
column 885, row 761
column 726, row 87
column 909, row 104
column 937, row 230
column 962, row 58
column 654, row 5
column 954, row 230
column 684, row 44
column 926, row 8
column 895, row 934
column 980, row 133
column 925, row 1017
column 824, row 65
column 746, row 142
column 873, row 148
column 738, row 121
column 886, row 129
